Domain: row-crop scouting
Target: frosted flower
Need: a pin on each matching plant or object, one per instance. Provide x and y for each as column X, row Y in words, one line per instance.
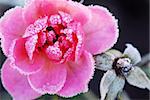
column 49, row 45
column 120, row 67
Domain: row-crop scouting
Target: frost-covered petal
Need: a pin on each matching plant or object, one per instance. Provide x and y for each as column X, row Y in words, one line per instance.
column 12, row 26
column 78, row 11
column 21, row 59
column 39, row 8
column 30, row 45
column 16, row 84
column 78, row 76
column 106, row 81
column 115, row 88
column 50, row 79
column 138, row 78
column 132, row 53
column 101, row 31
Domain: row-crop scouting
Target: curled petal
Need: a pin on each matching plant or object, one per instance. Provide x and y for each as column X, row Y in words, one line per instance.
column 132, row 53
column 21, row 59
column 101, row 31
column 138, row 78
column 106, row 81
column 50, row 79
column 78, row 76
column 115, row 88
column 12, row 26
column 16, row 84
column 30, row 45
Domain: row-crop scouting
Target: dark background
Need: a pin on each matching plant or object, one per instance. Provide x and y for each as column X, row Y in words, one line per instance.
column 133, row 16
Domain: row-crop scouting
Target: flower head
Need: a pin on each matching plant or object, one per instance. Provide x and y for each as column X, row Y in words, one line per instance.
column 120, row 67
column 49, row 45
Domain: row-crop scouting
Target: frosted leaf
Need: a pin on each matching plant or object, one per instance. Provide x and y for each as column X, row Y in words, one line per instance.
column 106, row 81
column 138, row 78
column 116, row 86
column 81, row 1
column 116, row 53
column 104, row 61
column 132, row 53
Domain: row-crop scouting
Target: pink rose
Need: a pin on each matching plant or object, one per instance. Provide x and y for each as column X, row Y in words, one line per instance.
column 49, row 45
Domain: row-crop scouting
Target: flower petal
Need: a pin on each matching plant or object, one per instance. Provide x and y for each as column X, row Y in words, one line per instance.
column 21, row 59
column 132, row 53
column 39, row 8
column 78, row 11
column 138, row 78
column 115, row 88
column 106, row 81
column 30, row 45
column 12, row 26
column 78, row 76
column 101, row 31
column 50, row 79
column 16, row 84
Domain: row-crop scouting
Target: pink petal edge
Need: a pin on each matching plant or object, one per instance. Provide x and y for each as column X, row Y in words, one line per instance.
column 8, row 29
column 78, row 76
column 39, row 8
column 101, row 32
column 16, row 84
column 20, row 60
column 50, row 79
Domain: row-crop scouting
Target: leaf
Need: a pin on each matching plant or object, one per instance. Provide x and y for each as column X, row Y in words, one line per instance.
column 83, row 96
column 106, row 81
column 104, row 61
column 122, row 96
column 116, row 53
column 146, row 69
column 13, row 2
column 132, row 53
column 116, row 86
column 138, row 78
column 89, row 96
column 145, row 64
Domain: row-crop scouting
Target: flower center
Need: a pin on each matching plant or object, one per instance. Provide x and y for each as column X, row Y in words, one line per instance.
column 58, row 36
column 122, row 66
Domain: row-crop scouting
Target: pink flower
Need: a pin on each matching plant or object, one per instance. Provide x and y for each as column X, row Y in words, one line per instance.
column 49, row 45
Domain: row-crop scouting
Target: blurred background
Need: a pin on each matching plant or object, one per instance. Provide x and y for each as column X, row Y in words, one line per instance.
column 133, row 16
